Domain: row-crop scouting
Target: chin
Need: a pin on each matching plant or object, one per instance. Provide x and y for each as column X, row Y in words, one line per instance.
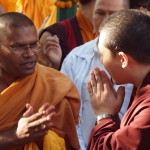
column 116, row 82
column 27, row 72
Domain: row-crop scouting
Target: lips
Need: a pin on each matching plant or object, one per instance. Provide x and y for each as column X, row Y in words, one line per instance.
column 28, row 65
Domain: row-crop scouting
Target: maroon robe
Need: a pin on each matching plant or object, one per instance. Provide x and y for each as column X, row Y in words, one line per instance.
column 69, row 34
column 134, row 130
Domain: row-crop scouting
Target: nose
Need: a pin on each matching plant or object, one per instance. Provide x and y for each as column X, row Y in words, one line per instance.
column 29, row 52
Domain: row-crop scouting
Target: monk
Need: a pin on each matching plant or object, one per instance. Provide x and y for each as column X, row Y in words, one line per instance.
column 60, row 38
column 39, row 105
column 38, row 11
column 125, row 53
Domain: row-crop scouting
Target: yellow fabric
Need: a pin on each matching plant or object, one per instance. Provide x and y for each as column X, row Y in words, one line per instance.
column 51, row 142
column 86, row 27
column 37, row 10
column 11, row 5
column 53, row 17
column 44, row 85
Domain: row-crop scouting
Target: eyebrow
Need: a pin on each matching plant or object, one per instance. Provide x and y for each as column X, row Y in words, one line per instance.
column 23, row 44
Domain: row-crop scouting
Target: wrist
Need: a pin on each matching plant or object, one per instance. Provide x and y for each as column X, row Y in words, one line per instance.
column 103, row 116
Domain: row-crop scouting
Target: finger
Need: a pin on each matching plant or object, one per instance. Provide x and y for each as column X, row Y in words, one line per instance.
column 52, row 47
column 105, row 81
column 89, row 87
column 43, row 127
column 121, row 94
column 93, row 82
column 98, row 79
column 50, row 109
column 29, row 110
column 51, row 115
column 109, row 82
column 44, row 107
column 55, row 36
column 35, row 116
column 39, row 122
column 53, row 39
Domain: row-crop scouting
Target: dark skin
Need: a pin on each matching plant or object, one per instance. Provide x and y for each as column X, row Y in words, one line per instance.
column 25, row 131
column 32, row 126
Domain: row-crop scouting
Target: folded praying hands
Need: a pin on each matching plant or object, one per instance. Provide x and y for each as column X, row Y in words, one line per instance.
column 104, row 98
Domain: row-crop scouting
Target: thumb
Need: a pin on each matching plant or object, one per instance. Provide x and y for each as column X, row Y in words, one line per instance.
column 56, row 37
column 121, row 94
column 29, row 111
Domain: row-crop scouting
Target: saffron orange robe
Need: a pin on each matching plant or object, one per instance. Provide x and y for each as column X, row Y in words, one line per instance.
column 134, row 130
column 44, row 85
column 38, row 10
column 11, row 5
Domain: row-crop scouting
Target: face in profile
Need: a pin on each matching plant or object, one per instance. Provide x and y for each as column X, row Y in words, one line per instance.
column 110, row 61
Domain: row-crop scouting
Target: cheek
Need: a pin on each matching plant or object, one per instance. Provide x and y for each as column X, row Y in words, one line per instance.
column 13, row 60
column 96, row 23
column 107, row 63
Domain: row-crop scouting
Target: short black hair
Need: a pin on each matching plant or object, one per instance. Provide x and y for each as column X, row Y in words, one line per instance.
column 13, row 20
column 128, row 31
column 135, row 4
column 85, row 2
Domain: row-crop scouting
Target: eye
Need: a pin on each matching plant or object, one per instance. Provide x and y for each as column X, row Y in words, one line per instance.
column 34, row 45
column 100, row 13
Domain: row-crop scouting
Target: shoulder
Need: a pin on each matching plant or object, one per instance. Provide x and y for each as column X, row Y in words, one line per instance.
column 54, row 79
column 56, row 28
column 51, row 73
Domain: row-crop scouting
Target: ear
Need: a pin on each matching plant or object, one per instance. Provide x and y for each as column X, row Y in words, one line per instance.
column 123, row 59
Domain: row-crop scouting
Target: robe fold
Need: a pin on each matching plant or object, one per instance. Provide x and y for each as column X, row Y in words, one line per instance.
column 134, row 130
column 44, row 85
column 38, row 10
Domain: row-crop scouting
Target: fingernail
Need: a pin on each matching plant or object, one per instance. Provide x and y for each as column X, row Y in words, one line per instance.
column 43, row 112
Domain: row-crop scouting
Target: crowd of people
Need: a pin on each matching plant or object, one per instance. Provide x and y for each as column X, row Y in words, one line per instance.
column 80, row 84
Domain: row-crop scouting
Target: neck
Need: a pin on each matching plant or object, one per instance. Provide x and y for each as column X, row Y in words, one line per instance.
column 140, row 75
column 5, row 80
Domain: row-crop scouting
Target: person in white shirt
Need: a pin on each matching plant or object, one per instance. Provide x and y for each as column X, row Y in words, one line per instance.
column 80, row 61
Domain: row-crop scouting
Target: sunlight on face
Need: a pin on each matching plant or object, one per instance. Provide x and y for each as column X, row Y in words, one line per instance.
column 102, row 38
column 110, row 61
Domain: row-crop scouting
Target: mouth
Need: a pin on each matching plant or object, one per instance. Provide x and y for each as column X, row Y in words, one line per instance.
column 28, row 65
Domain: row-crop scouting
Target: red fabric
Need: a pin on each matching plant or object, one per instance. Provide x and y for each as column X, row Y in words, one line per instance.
column 134, row 131
column 70, row 33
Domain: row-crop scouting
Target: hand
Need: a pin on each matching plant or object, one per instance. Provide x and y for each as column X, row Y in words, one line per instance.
column 34, row 126
column 53, row 51
column 104, row 98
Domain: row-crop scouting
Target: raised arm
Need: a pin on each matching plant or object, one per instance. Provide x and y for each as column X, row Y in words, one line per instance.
column 52, row 53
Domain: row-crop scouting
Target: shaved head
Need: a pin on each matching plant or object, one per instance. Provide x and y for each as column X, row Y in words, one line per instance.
column 12, row 20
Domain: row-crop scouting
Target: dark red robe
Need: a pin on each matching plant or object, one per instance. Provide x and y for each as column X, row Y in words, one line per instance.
column 134, row 130
column 69, row 34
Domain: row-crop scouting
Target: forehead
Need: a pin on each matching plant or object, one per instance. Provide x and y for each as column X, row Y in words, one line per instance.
column 109, row 5
column 101, row 41
column 21, row 35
